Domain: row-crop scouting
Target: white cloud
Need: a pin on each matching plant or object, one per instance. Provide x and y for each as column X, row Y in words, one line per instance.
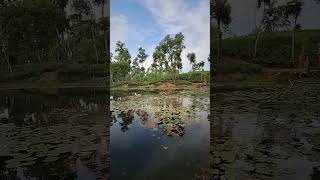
column 176, row 16
column 119, row 30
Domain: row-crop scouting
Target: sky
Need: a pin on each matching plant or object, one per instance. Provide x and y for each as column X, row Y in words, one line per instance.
column 146, row 22
column 243, row 16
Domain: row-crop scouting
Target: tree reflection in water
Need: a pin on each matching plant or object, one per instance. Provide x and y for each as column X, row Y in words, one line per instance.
column 127, row 118
column 62, row 136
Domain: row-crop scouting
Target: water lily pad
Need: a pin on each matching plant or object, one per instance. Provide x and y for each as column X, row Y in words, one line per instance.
column 51, row 159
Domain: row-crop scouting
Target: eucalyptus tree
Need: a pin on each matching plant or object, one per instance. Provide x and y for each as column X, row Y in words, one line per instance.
column 259, row 27
column 137, row 65
column 195, row 65
column 221, row 12
column 142, row 56
column 199, row 66
column 96, row 27
column 293, row 10
column 177, row 50
column 192, row 59
column 122, row 61
column 40, row 21
column 159, row 61
column 168, row 54
column 122, row 53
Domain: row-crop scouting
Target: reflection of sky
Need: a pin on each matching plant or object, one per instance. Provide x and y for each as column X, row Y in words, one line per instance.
column 144, row 151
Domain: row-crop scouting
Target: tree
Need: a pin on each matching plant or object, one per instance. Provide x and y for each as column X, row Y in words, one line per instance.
column 168, row 54
column 123, row 60
column 200, row 65
column 178, row 47
column 141, row 57
column 122, row 53
column 221, row 11
column 292, row 11
column 259, row 27
column 40, row 20
column 192, row 59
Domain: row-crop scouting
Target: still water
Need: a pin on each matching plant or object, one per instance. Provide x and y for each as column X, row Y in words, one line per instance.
column 160, row 135
column 54, row 134
column 266, row 133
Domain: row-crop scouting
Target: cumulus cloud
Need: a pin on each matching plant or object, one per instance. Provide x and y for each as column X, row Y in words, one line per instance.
column 193, row 21
column 119, row 30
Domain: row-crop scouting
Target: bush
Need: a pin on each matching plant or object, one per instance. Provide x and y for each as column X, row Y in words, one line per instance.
column 195, row 76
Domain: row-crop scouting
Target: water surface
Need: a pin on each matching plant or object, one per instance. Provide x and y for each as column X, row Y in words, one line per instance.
column 54, row 134
column 160, row 135
column 266, row 133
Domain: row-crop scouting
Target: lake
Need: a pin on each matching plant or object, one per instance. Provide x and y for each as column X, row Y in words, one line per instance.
column 160, row 135
column 54, row 134
column 255, row 133
column 266, row 133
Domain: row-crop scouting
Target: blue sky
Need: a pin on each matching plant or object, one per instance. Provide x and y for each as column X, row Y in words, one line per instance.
column 146, row 22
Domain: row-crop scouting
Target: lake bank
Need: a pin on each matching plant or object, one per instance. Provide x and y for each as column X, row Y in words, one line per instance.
column 162, row 86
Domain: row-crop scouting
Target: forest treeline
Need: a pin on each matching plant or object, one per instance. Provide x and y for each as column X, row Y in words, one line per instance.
column 166, row 62
column 53, row 31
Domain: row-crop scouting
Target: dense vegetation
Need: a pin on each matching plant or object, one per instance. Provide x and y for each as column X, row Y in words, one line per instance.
column 166, row 65
column 274, row 47
column 50, row 35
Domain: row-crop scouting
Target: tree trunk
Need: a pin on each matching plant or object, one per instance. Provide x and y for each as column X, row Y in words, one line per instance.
column 219, row 31
column 292, row 46
column 256, row 45
column 94, row 45
column 293, row 40
column 7, row 60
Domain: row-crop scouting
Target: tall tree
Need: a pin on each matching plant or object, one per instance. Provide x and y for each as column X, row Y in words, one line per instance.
column 122, row 53
column 123, row 60
column 292, row 11
column 192, row 59
column 142, row 56
column 259, row 27
column 221, row 12
column 168, row 54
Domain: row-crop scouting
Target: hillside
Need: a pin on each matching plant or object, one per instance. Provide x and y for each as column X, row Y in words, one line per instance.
column 274, row 47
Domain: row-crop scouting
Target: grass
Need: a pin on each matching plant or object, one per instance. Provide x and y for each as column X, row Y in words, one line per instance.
column 274, row 48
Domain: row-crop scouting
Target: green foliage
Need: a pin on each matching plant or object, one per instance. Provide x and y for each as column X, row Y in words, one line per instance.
column 167, row 55
column 40, row 31
column 195, row 76
column 274, row 48
column 122, row 53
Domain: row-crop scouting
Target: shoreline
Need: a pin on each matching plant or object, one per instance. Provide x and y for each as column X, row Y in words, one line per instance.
column 162, row 86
